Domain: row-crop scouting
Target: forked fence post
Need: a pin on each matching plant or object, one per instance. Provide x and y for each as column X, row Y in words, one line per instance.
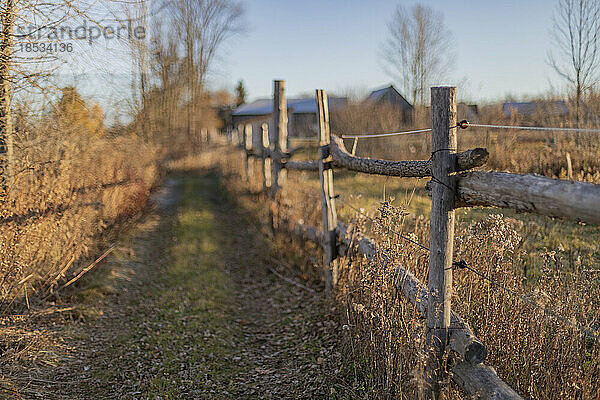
column 266, row 161
column 248, row 152
column 279, row 136
column 441, row 236
column 329, row 216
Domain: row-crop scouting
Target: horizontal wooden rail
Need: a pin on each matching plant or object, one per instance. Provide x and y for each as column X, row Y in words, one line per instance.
column 530, row 193
column 342, row 159
column 482, row 382
column 469, row 373
column 308, row 232
column 308, row 165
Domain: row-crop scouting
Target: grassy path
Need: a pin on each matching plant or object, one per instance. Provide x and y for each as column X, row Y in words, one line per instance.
column 187, row 309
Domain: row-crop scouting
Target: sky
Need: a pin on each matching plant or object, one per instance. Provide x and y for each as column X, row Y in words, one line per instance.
column 500, row 47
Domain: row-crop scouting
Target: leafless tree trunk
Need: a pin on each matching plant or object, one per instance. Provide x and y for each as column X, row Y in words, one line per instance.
column 204, row 25
column 576, row 35
column 6, row 131
column 140, row 55
column 417, row 49
column 26, row 23
column 168, row 94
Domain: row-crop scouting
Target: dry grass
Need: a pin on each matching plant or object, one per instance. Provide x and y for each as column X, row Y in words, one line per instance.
column 69, row 187
column 73, row 181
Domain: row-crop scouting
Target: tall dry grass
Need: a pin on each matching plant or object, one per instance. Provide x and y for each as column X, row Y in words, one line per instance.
column 540, row 356
column 72, row 182
column 68, row 189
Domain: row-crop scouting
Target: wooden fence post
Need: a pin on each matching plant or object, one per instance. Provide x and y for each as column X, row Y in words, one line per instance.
column 242, row 146
column 240, row 135
column 279, row 138
column 329, row 216
column 266, row 163
column 441, row 237
column 249, row 163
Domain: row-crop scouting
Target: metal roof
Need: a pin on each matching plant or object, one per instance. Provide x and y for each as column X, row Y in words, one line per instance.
column 377, row 94
column 531, row 107
column 388, row 94
column 300, row 106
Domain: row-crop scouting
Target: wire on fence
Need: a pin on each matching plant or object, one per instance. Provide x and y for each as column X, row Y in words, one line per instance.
column 463, row 265
column 464, row 124
column 378, row 135
column 530, row 128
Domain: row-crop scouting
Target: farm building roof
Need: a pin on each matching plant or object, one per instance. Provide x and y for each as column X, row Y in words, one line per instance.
column 299, row 106
column 378, row 94
column 389, row 94
column 531, row 107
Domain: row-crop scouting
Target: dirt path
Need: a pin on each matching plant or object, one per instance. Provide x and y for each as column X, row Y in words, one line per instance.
column 186, row 308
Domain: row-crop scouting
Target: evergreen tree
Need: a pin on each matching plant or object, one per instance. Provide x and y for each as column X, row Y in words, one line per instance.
column 240, row 93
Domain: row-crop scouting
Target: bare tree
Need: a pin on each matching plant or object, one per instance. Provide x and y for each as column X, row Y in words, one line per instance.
column 140, row 52
column 417, row 49
column 204, row 26
column 6, row 48
column 165, row 67
column 576, row 35
column 18, row 71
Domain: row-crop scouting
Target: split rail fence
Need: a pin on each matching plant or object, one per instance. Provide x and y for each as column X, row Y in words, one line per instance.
column 451, row 186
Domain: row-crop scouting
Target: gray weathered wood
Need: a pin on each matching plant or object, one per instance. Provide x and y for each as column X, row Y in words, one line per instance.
column 309, row 165
column 329, row 216
column 266, row 161
column 240, row 136
column 460, row 162
column 279, row 137
column 249, row 163
column 477, row 379
column 441, row 235
column 308, row 232
column 342, row 159
column 481, row 382
column 244, row 147
column 530, row 193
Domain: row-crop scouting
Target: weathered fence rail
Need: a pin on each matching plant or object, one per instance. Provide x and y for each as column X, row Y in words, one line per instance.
column 451, row 187
column 341, row 158
column 530, row 193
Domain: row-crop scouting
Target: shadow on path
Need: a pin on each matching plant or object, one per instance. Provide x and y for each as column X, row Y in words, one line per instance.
column 187, row 309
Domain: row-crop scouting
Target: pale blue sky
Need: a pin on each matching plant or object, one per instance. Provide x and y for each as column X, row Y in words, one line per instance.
column 500, row 46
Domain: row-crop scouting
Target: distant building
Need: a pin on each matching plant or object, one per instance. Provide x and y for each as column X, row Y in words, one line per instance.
column 390, row 96
column 302, row 116
column 531, row 108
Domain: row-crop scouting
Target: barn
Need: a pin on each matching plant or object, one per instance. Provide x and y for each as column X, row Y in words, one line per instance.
column 531, row 108
column 302, row 116
column 390, row 96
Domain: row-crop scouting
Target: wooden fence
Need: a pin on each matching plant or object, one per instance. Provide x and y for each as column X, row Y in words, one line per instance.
column 451, row 187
